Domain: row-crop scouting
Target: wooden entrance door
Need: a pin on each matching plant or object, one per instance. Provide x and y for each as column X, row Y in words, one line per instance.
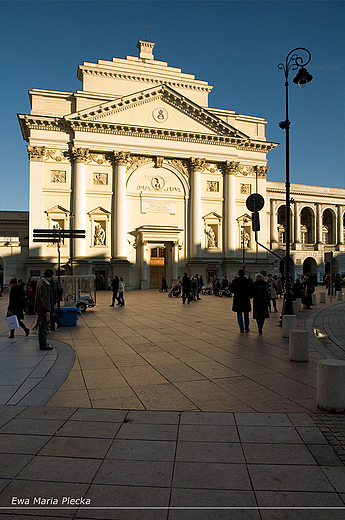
column 157, row 266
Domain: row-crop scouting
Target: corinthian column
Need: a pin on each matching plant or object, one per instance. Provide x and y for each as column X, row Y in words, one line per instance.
column 36, row 156
column 196, row 166
column 79, row 157
column 229, row 169
column 120, row 206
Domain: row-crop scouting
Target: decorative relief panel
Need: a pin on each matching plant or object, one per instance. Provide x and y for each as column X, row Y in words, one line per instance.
column 245, row 189
column 212, row 186
column 58, row 176
column 100, row 179
column 160, row 114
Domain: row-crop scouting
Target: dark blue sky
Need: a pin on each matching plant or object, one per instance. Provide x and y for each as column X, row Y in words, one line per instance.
column 234, row 45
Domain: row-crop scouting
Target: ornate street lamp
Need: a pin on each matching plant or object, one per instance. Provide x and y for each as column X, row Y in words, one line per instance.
column 292, row 62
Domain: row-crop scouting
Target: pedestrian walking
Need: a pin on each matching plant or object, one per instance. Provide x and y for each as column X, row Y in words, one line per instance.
column 297, row 289
column 121, row 291
column 57, row 295
column 197, row 287
column 241, row 289
column 164, row 287
column 115, row 288
column 272, row 291
column 15, row 306
column 44, row 308
column 261, row 301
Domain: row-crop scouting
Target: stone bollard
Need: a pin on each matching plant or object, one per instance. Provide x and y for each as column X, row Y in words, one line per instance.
column 322, row 297
column 339, row 295
column 299, row 345
column 331, row 385
column 296, row 307
column 289, row 322
column 313, row 299
column 299, row 300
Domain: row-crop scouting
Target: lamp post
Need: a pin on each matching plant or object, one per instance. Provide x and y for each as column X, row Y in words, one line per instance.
column 293, row 61
column 245, row 221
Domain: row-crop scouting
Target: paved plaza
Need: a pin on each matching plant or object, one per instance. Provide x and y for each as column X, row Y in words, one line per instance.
column 159, row 410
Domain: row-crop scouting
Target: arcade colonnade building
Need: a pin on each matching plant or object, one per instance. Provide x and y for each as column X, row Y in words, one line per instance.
column 159, row 180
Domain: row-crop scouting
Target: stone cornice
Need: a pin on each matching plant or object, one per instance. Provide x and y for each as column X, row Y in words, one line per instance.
column 95, row 71
column 304, row 194
column 28, row 123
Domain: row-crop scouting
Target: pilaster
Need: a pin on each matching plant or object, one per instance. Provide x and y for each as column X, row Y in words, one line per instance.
column 297, row 226
column 340, row 235
column 36, row 156
column 319, row 226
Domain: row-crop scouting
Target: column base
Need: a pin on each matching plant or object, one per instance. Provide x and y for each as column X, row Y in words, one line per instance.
column 122, row 268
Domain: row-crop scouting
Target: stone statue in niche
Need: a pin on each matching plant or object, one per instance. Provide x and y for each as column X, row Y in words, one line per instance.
column 99, row 236
column 245, row 238
column 211, row 237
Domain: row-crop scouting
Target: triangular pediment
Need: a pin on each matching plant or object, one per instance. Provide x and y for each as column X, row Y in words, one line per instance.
column 212, row 216
column 99, row 211
column 160, row 108
column 56, row 210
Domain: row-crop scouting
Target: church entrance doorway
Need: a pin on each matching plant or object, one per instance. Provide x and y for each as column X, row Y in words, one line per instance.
column 157, row 266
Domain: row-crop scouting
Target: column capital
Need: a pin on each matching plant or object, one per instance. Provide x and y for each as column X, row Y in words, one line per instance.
column 196, row 163
column 261, row 171
column 80, row 155
column 231, row 167
column 36, row 153
column 121, row 158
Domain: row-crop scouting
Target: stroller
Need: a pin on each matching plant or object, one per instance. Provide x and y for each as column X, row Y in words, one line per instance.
column 175, row 291
column 225, row 292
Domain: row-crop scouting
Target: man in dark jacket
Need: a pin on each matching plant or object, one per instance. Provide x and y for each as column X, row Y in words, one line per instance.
column 241, row 289
column 115, row 288
column 44, row 308
column 186, row 287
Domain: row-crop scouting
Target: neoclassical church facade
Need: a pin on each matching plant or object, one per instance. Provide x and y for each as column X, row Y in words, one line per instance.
column 159, row 181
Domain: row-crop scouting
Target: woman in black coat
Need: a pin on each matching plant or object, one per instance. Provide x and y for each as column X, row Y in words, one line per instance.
column 241, row 289
column 15, row 305
column 261, row 301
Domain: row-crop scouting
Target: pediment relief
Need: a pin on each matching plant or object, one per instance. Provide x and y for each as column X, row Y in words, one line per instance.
column 160, row 107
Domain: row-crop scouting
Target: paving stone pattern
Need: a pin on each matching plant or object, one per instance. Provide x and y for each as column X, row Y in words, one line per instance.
column 176, row 460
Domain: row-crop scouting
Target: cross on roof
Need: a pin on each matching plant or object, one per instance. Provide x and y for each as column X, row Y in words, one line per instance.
column 145, row 29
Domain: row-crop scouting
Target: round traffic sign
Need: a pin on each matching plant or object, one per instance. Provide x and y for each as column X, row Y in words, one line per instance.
column 255, row 202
